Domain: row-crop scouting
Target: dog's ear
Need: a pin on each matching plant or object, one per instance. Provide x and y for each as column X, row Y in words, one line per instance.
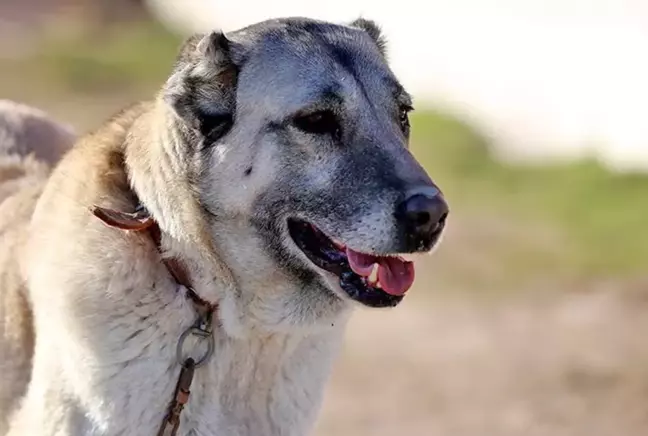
column 374, row 32
column 202, row 87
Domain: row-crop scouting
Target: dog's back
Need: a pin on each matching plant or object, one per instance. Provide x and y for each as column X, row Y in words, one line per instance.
column 30, row 144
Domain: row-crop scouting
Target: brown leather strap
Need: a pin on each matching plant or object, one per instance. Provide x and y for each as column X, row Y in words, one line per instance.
column 171, row 422
column 138, row 220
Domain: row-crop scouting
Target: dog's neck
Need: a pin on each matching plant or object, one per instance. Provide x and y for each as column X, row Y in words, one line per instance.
column 248, row 367
column 149, row 166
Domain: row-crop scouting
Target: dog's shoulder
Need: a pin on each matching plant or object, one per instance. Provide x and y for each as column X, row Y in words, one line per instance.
column 92, row 173
column 94, row 169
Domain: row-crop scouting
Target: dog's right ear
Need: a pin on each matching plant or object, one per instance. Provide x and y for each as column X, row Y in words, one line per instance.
column 202, row 87
column 373, row 30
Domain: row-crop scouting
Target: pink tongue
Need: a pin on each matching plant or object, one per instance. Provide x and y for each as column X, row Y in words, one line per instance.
column 394, row 274
column 361, row 264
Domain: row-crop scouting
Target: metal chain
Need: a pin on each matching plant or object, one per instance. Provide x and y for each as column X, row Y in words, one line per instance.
column 201, row 329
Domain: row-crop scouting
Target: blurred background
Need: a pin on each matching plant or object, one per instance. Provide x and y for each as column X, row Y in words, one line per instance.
column 532, row 115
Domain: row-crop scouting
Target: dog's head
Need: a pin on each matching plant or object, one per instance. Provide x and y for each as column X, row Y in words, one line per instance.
column 294, row 133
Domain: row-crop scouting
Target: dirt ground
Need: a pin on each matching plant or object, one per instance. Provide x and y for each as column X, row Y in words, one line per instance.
column 575, row 366
column 550, row 359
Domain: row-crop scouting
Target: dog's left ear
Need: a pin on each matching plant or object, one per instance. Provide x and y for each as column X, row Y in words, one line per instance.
column 374, row 32
column 202, row 87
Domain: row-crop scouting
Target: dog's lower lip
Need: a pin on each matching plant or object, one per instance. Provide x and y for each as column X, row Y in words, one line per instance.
column 331, row 256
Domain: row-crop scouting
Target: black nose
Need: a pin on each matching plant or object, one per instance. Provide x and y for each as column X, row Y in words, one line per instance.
column 423, row 215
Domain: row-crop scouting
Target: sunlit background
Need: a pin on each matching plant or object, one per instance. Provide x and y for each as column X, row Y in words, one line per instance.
column 532, row 115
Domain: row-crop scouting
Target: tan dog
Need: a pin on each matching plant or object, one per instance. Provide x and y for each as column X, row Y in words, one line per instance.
column 235, row 220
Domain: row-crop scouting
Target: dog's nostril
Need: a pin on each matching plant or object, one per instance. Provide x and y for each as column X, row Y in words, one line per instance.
column 421, row 218
column 439, row 225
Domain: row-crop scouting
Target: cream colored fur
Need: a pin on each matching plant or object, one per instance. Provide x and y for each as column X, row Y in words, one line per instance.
column 30, row 142
column 107, row 315
column 26, row 130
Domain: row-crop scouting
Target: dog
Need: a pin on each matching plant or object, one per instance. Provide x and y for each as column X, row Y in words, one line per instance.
column 190, row 265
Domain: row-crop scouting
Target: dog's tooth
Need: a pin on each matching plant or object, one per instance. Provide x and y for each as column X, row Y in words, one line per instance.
column 373, row 277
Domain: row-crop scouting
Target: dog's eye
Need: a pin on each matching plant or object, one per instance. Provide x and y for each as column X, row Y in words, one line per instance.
column 213, row 127
column 404, row 118
column 319, row 123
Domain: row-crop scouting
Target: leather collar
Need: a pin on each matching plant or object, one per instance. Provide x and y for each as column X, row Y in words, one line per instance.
column 141, row 220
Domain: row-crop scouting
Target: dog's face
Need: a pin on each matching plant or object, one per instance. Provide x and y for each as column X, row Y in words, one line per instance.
column 297, row 133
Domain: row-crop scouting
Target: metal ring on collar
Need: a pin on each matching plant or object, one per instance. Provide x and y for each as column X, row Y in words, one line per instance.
column 200, row 334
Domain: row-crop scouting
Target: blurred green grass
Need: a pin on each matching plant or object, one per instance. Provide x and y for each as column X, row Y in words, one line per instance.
column 129, row 59
column 599, row 216
column 121, row 59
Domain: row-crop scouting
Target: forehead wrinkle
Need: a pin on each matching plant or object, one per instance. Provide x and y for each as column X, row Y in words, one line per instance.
column 314, row 44
column 295, row 81
column 347, row 58
column 307, row 63
column 357, row 51
column 358, row 55
column 376, row 74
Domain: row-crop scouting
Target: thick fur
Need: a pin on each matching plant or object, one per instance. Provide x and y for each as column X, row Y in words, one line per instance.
column 26, row 130
column 217, row 160
column 30, row 143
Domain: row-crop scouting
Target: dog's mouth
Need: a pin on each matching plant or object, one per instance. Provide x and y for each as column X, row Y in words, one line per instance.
column 375, row 281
